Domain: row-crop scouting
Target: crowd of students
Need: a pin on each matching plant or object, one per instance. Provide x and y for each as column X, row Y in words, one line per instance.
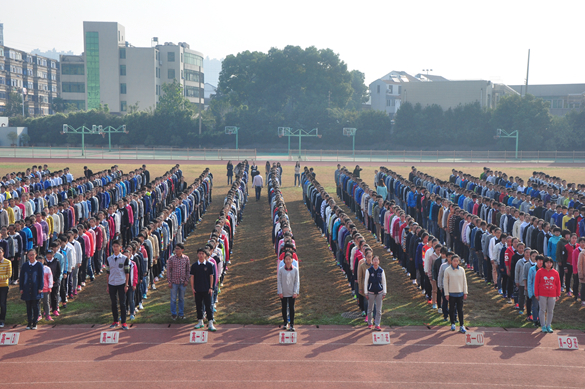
column 287, row 261
column 367, row 280
column 498, row 226
column 77, row 239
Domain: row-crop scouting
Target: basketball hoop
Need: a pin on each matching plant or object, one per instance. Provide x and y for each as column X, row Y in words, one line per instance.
column 283, row 131
column 349, row 131
column 230, row 130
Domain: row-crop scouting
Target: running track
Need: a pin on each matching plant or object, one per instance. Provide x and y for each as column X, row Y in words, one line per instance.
column 157, row 356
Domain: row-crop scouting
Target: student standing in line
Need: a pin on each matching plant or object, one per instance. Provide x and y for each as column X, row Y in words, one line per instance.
column 202, row 281
column 258, row 183
column 230, row 172
column 31, row 287
column 539, row 260
column 47, row 286
column 455, row 284
column 375, row 290
column 118, row 275
column 5, row 274
column 547, row 290
column 297, row 173
column 178, row 278
column 288, row 285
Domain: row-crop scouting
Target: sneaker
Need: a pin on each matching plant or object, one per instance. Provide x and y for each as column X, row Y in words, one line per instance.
column 1, row 325
column 56, row 313
column 75, row 292
column 181, row 317
column 82, row 284
column 199, row 324
column 29, row 327
column 366, row 318
column 440, row 310
column 49, row 318
column 64, row 306
column 79, row 287
column 132, row 317
column 378, row 328
column 174, row 317
column 549, row 329
column 153, row 287
column 544, row 329
column 569, row 294
column 144, row 296
column 140, row 306
column 462, row 329
column 582, row 303
column 510, row 301
column 517, row 306
column 33, row 327
column 291, row 329
column 500, row 291
column 115, row 325
column 520, row 313
column 413, row 282
column 453, row 327
column 285, row 327
column 434, row 306
column 124, row 326
column 370, row 327
column 364, row 313
column 39, row 318
column 211, row 328
column 155, row 279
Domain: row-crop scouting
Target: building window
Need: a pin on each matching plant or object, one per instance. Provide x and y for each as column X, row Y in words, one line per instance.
column 122, row 89
column 53, row 65
column 193, row 59
column 92, row 58
column 399, row 89
column 378, row 88
column 171, row 56
column 72, row 69
column 171, row 74
column 158, row 90
column 181, row 57
column 191, row 75
column 1, row 52
column 122, row 70
column 192, row 91
column 123, row 106
column 390, row 89
column 122, row 53
column 157, row 72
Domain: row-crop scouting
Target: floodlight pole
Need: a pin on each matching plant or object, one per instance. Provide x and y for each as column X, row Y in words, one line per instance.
column 109, row 130
column 237, row 131
column 513, row 134
column 353, row 147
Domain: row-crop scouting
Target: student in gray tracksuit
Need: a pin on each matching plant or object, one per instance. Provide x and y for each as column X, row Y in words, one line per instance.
column 288, row 285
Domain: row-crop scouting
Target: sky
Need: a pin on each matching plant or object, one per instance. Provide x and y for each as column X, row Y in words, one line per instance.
column 459, row 40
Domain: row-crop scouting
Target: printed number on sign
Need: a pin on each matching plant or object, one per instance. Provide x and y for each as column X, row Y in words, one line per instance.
column 568, row 342
column 109, row 337
column 287, row 337
column 198, row 337
column 9, row 338
column 474, row 339
column 381, row 338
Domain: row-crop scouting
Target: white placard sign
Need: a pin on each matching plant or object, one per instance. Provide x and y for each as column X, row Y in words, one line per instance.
column 568, row 342
column 287, row 337
column 474, row 339
column 198, row 337
column 381, row 338
column 107, row 337
column 9, row 338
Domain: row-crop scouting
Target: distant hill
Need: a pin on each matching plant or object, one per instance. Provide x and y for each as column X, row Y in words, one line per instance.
column 53, row 54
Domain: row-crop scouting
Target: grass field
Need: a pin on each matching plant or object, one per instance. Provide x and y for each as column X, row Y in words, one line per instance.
column 249, row 292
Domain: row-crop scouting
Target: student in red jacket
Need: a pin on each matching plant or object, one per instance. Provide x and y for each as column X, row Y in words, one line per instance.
column 547, row 290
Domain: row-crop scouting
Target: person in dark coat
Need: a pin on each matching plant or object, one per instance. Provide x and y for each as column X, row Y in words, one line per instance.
column 31, row 287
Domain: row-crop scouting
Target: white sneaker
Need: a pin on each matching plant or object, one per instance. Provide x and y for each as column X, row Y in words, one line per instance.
column 140, row 306
column 440, row 310
column 199, row 324
column 210, row 326
column 413, row 282
column 153, row 287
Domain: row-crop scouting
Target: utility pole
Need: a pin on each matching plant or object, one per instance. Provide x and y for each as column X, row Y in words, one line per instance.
column 527, row 69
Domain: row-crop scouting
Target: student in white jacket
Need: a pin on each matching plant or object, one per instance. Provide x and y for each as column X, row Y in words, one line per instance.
column 455, row 284
column 288, row 285
column 375, row 290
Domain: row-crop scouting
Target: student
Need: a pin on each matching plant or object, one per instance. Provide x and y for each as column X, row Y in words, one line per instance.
column 577, row 275
column 297, row 173
column 581, row 270
column 178, row 278
column 202, row 281
column 258, row 183
column 288, row 286
column 118, row 275
column 363, row 265
column 5, row 274
column 455, row 285
column 230, row 172
column 132, row 281
column 31, row 287
column 531, row 278
column 47, row 287
column 547, row 290
column 375, row 290
column 518, row 274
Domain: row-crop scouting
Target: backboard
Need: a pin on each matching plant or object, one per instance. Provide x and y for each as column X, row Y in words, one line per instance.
column 349, row 131
column 230, row 130
column 283, row 131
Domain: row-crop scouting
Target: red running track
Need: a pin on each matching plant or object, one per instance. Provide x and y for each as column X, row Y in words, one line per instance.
column 157, row 356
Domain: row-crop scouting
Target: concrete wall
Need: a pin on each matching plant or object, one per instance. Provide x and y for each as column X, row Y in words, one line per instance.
column 448, row 94
column 140, row 77
column 4, row 131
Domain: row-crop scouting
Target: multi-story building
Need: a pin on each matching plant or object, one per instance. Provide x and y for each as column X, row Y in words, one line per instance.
column 1, row 34
column 122, row 76
column 562, row 98
column 398, row 87
column 33, row 76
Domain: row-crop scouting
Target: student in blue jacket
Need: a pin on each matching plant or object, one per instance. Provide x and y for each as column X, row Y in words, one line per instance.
column 31, row 287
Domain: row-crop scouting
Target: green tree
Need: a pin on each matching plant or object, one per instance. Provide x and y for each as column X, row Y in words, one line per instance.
column 360, row 90
column 13, row 105
column 13, row 136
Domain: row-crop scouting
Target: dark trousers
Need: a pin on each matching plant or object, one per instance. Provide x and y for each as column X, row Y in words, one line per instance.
column 290, row 302
column 428, row 286
column 200, row 299
column 3, row 297
column 32, row 312
column 97, row 261
column 566, row 277
column 528, row 305
column 230, row 180
column 456, row 303
column 82, row 271
column 505, row 283
column 15, row 268
column 117, row 293
column 487, row 269
column 258, row 191
column 54, row 298
column 63, row 289
column 576, row 286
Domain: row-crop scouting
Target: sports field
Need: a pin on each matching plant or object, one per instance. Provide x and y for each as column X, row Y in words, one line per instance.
column 249, row 292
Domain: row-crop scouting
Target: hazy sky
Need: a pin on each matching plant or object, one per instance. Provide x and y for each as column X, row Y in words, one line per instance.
column 457, row 39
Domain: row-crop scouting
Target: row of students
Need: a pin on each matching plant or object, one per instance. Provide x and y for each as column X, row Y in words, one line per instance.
column 420, row 254
column 367, row 280
column 287, row 261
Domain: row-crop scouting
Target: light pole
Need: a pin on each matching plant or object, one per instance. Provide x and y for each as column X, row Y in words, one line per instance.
column 351, row 132
column 230, row 130
column 427, row 70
